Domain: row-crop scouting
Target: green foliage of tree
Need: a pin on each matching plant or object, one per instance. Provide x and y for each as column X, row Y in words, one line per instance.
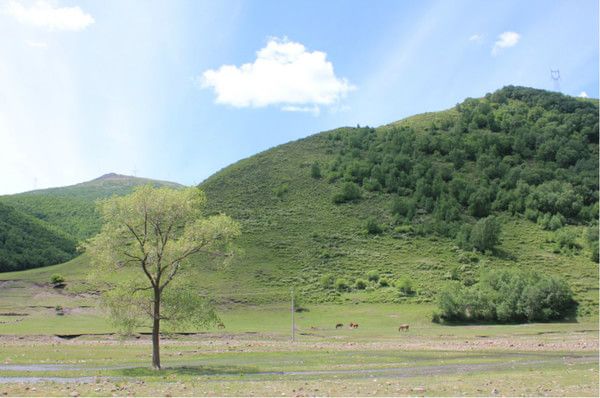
column 341, row 285
column 551, row 222
column 566, row 239
column 360, row 284
column 157, row 236
column 592, row 241
column 56, row 279
column 405, row 286
column 508, row 295
column 485, row 234
column 373, row 276
column 350, row 191
column 315, row 171
column 373, row 227
column 327, row 281
column 281, row 190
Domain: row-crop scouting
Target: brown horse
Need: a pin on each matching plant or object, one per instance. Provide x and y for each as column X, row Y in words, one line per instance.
column 403, row 327
column 353, row 325
column 339, row 325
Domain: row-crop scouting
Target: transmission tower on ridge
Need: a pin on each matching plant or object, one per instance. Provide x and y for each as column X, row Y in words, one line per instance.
column 555, row 76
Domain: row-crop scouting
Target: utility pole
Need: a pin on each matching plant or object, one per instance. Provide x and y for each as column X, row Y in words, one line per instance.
column 293, row 320
column 555, row 76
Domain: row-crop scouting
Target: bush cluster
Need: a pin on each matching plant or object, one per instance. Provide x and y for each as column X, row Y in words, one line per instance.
column 508, row 296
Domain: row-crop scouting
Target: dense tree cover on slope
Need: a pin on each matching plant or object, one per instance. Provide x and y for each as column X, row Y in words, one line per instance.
column 73, row 209
column 26, row 242
column 518, row 150
column 508, row 296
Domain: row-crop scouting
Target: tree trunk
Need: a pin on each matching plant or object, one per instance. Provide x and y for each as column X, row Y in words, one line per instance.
column 156, row 331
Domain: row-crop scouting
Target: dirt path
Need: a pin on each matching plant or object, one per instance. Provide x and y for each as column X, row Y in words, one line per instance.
column 580, row 341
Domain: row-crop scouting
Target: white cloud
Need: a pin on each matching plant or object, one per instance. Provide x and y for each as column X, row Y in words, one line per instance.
column 42, row 14
column 284, row 73
column 309, row 109
column 476, row 38
column 505, row 40
column 583, row 94
column 36, row 44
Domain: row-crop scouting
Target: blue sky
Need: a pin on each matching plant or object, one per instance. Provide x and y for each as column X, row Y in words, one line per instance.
column 177, row 90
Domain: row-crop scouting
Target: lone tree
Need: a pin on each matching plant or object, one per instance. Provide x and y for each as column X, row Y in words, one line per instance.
column 146, row 244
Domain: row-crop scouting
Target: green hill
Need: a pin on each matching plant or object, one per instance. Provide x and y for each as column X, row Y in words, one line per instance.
column 403, row 203
column 73, row 208
column 69, row 212
column 26, row 242
column 527, row 157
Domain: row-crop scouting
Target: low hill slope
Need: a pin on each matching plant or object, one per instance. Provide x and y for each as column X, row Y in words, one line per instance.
column 527, row 157
column 26, row 242
column 72, row 209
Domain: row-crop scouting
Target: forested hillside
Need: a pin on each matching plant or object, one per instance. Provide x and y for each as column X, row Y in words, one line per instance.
column 526, row 152
column 393, row 213
column 62, row 217
column 26, row 242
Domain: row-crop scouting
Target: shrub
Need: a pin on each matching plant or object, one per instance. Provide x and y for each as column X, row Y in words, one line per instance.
column 551, row 222
column 454, row 273
column 485, row 234
column 566, row 239
column 405, row 287
column 56, row 279
column 341, row 285
column 383, row 282
column 463, row 237
column 372, row 185
column 403, row 206
column 532, row 215
column 315, row 171
column 508, row 296
column 281, row 190
column 300, row 304
column 373, row 276
column 327, row 281
column 373, row 227
column 592, row 240
column 349, row 192
column 360, row 284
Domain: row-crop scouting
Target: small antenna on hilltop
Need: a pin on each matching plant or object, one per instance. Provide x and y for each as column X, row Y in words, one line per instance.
column 134, row 171
column 555, row 76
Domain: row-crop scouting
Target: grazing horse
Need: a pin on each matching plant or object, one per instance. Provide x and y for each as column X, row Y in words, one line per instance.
column 403, row 327
column 353, row 325
column 339, row 325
